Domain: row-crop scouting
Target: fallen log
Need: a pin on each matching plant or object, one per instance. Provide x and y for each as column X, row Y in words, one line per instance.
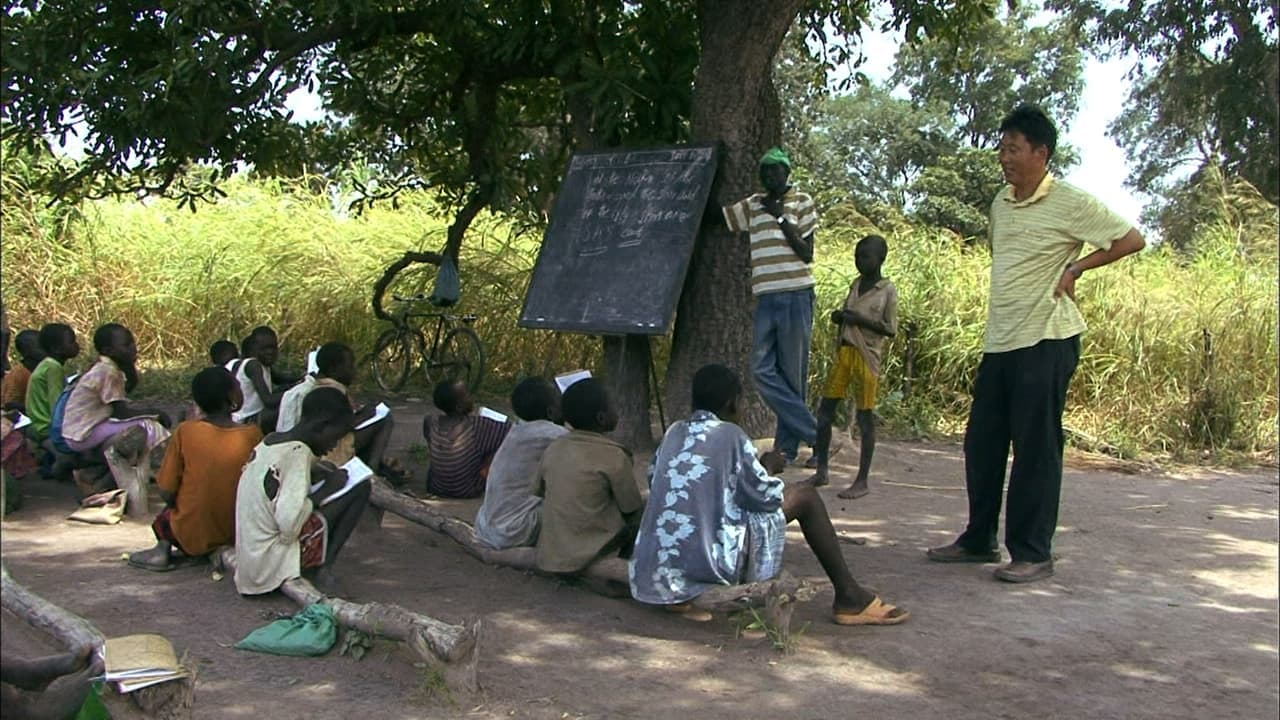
column 65, row 627
column 453, row 649
column 167, row 701
column 777, row 597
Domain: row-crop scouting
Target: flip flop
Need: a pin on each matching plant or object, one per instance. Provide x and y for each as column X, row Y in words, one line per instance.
column 689, row 612
column 877, row 612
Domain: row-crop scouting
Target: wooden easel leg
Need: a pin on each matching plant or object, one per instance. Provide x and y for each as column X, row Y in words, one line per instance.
column 656, row 388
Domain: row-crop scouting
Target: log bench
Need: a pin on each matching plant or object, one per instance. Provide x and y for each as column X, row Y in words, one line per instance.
column 776, row 598
column 452, row 649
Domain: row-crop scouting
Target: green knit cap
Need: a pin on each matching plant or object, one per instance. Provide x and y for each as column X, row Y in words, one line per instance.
column 776, row 155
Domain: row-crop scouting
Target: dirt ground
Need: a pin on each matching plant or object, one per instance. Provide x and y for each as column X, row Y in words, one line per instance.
column 1164, row 605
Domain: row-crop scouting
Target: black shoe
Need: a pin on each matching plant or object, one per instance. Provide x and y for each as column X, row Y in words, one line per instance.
column 954, row 553
column 1020, row 571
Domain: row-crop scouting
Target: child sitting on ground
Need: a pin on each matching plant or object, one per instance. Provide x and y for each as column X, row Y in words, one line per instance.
column 591, row 504
column 461, row 444
column 199, row 475
column 336, row 365
column 281, row 525
column 98, row 415
column 222, row 352
column 716, row 515
column 868, row 318
column 59, row 344
column 510, row 514
column 13, row 389
column 15, row 454
column 257, row 381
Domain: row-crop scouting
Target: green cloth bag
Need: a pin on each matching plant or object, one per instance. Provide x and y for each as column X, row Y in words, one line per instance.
column 311, row 632
column 93, row 709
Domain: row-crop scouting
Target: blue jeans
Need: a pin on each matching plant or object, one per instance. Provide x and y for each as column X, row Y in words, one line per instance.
column 783, row 326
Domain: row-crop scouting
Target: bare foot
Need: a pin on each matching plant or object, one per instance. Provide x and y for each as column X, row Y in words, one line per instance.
column 327, row 583
column 774, row 462
column 157, row 558
column 68, row 663
column 854, row 491
column 819, row 478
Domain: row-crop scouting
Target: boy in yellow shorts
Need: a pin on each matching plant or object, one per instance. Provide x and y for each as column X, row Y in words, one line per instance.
column 868, row 318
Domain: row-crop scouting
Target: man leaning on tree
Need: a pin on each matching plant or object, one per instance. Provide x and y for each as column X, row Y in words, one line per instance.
column 780, row 223
column 1038, row 226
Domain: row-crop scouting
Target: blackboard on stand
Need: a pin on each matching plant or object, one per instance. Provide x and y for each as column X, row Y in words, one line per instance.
column 614, row 257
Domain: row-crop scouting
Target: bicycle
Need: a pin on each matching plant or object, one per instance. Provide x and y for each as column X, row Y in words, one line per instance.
column 456, row 352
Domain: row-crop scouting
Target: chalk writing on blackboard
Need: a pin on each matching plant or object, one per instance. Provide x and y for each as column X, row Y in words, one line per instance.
column 614, row 256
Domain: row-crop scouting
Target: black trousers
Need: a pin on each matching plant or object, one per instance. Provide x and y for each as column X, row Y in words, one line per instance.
column 1018, row 399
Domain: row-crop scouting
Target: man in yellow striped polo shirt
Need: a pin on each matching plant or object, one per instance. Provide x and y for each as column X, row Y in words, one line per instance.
column 780, row 223
column 1038, row 227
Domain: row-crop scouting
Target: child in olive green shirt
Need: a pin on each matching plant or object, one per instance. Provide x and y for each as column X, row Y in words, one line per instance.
column 591, row 505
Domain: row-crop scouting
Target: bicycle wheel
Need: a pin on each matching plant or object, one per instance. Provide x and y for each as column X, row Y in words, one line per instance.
column 392, row 358
column 461, row 357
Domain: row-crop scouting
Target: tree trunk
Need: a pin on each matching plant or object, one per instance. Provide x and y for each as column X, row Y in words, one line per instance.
column 626, row 361
column 735, row 104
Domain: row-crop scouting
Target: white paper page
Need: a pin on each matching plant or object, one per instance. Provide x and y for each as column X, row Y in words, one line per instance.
column 126, row 686
column 492, row 414
column 564, row 382
column 139, row 674
column 21, row 422
column 379, row 412
column 357, row 472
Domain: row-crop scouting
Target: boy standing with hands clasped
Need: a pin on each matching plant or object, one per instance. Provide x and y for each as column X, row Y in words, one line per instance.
column 868, row 318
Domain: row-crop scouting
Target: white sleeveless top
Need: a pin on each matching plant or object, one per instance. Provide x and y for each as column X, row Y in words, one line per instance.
column 252, row 402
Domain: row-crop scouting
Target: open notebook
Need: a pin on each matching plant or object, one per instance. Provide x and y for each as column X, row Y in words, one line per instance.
column 568, row 379
column 357, row 472
column 137, row 661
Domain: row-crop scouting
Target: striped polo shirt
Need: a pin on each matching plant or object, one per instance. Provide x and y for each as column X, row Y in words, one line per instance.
column 775, row 267
column 1032, row 242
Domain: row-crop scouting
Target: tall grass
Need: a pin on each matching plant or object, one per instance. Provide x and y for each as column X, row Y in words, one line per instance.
column 275, row 253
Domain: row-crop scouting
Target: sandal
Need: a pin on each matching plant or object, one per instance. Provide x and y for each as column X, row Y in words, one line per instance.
column 877, row 612
column 689, row 612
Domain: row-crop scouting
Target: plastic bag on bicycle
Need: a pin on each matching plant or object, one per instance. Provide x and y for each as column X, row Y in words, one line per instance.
column 448, row 284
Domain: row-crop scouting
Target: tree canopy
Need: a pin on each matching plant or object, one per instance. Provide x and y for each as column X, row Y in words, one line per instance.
column 1206, row 89
column 922, row 142
column 481, row 103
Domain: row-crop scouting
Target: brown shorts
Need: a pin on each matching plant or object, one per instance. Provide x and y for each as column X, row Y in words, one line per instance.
column 314, row 540
column 163, row 528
